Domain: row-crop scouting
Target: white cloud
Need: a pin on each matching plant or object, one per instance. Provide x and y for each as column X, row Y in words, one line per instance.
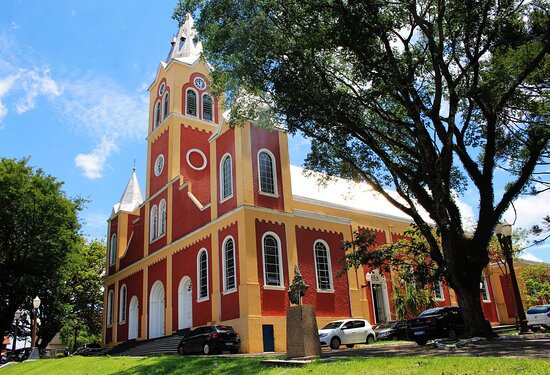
column 14, row 25
column 530, row 210
column 531, row 257
column 93, row 163
column 35, row 83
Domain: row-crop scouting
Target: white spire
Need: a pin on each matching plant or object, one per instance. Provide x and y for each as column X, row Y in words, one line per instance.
column 131, row 198
column 185, row 45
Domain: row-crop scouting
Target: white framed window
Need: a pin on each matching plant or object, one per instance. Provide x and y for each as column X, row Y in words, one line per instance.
column 110, row 307
column 162, row 218
column 202, row 275
column 157, row 115
column 266, row 172
column 272, row 260
column 438, row 290
column 226, row 177
column 229, row 270
column 207, row 107
column 165, row 106
column 323, row 268
column 159, row 165
column 153, row 223
column 191, row 102
column 122, row 305
column 112, row 251
column 484, row 289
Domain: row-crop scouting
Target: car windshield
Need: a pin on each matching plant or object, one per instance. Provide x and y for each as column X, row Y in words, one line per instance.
column 434, row 311
column 224, row 329
column 538, row 309
column 332, row 325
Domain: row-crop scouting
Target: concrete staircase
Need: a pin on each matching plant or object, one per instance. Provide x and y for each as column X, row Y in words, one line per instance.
column 159, row 345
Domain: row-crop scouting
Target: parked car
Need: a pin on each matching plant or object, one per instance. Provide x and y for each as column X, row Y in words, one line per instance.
column 348, row 332
column 439, row 322
column 538, row 317
column 88, row 349
column 394, row 330
column 210, row 339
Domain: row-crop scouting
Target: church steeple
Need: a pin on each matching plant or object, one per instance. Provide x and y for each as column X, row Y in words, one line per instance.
column 185, row 45
column 131, row 198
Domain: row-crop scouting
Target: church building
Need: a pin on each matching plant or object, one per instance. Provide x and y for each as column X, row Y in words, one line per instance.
column 224, row 220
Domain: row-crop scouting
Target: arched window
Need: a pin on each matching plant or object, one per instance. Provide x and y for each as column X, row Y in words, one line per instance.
column 110, row 307
column 229, row 275
column 153, row 224
column 162, row 218
column 266, row 167
column 273, row 268
column 157, row 114
column 484, row 289
column 191, row 100
column 202, row 275
column 122, row 305
column 165, row 106
column 112, row 251
column 438, row 290
column 207, row 108
column 323, row 267
column 226, row 180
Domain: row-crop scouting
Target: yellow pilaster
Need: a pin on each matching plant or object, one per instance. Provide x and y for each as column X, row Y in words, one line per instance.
column 146, row 231
column 214, row 182
column 244, row 175
column 122, row 236
column 174, row 144
column 169, row 214
column 285, row 171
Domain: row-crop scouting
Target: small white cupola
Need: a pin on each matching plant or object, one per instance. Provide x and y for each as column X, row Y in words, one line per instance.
column 185, row 45
column 131, row 198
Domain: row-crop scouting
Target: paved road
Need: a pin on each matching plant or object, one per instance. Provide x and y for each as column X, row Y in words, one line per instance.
column 532, row 346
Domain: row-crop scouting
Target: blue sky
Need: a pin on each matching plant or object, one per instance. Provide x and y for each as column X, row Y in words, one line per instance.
column 73, row 96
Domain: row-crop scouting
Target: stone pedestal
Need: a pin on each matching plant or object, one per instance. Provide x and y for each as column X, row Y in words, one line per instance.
column 302, row 336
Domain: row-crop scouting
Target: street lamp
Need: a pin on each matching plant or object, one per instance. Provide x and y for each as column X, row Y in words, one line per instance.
column 504, row 235
column 36, row 305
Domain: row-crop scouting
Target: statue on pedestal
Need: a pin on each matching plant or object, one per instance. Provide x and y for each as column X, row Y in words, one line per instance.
column 298, row 288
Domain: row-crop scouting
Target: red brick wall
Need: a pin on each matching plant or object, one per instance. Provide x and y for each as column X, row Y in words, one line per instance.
column 274, row 302
column 186, row 216
column 326, row 304
column 184, row 263
column 135, row 246
column 193, row 139
column 134, row 287
column 261, row 139
column 230, row 302
column 159, row 146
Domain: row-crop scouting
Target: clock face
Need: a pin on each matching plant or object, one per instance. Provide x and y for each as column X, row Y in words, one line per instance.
column 159, row 165
column 199, row 83
column 162, row 88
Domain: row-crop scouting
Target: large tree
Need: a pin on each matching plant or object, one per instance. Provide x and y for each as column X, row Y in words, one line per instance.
column 426, row 97
column 38, row 237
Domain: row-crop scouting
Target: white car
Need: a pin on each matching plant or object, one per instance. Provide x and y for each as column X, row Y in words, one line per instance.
column 538, row 317
column 347, row 332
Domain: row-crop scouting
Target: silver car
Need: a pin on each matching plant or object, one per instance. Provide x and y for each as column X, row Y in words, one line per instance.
column 538, row 317
column 347, row 332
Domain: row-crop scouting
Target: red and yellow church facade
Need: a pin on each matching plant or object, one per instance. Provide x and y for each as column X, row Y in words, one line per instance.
column 221, row 227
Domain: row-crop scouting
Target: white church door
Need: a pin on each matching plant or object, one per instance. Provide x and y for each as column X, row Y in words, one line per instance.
column 185, row 303
column 133, row 319
column 156, row 310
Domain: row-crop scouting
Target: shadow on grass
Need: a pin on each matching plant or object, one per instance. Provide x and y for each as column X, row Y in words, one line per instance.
column 195, row 365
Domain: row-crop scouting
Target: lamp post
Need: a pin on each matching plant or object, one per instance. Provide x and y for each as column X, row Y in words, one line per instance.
column 35, row 354
column 504, row 235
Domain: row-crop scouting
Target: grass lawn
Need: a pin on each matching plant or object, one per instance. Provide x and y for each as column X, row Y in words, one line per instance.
column 237, row 365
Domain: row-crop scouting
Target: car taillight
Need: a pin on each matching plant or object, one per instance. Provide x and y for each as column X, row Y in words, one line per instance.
column 238, row 336
column 213, row 336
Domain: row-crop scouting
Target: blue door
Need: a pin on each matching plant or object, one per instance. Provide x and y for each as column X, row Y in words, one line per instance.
column 269, row 338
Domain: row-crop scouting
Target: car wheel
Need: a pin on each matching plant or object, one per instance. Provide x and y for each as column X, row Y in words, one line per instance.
column 535, row 329
column 335, row 343
column 421, row 341
column 206, row 349
column 349, row 346
column 452, row 334
column 181, row 350
column 370, row 339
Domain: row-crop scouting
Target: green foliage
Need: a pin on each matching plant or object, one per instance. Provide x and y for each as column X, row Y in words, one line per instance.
column 537, row 283
column 38, row 239
column 406, row 259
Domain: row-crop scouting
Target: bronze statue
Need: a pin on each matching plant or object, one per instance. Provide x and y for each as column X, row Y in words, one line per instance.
column 297, row 289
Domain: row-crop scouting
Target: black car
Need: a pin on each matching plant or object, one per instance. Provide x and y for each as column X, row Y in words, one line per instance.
column 210, row 339
column 394, row 330
column 439, row 322
column 88, row 349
